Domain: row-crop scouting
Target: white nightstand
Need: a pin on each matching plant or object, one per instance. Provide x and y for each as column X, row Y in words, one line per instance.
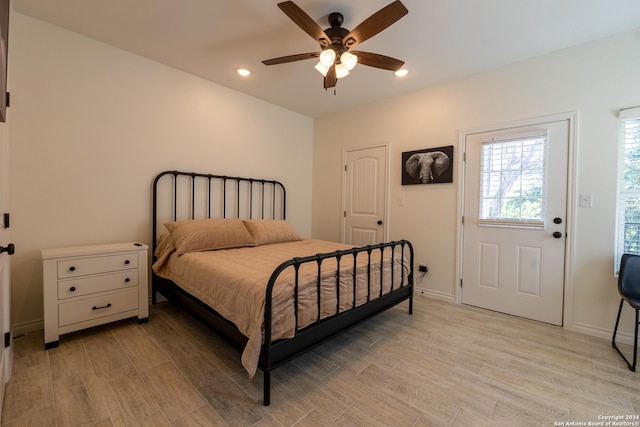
column 87, row 286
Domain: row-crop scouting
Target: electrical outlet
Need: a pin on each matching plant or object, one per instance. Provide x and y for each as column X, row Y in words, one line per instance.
column 422, row 268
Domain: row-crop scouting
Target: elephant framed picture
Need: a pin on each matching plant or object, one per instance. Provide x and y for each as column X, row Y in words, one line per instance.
column 427, row 166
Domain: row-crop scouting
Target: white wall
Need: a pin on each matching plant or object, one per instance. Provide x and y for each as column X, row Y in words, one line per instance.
column 91, row 125
column 595, row 79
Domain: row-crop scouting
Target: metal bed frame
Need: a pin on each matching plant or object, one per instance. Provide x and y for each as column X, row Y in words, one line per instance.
column 250, row 198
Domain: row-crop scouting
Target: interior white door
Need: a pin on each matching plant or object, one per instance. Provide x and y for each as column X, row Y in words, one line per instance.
column 514, row 224
column 365, row 196
column 6, row 350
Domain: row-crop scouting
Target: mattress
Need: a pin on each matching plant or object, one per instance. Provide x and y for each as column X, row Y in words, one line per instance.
column 233, row 282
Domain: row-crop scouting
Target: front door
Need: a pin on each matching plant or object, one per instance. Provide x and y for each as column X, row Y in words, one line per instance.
column 365, row 196
column 514, row 223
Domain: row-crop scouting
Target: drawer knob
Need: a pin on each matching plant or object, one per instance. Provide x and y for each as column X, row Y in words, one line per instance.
column 101, row 307
column 72, row 268
column 127, row 280
column 72, row 289
column 126, row 261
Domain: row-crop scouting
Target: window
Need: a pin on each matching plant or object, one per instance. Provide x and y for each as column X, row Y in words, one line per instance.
column 628, row 218
column 512, row 181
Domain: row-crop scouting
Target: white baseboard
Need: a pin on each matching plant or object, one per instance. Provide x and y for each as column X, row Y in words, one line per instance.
column 435, row 295
column 622, row 337
column 159, row 298
column 25, row 327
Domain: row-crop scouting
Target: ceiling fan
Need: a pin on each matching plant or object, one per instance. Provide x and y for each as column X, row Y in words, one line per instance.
column 335, row 59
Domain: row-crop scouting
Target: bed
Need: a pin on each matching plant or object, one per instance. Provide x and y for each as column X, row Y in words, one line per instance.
column 223, row 248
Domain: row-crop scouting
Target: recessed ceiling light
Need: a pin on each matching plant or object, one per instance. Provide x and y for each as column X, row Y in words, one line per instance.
column 401, row 73
column 243, row 72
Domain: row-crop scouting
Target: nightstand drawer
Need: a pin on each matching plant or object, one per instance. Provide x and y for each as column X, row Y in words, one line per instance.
column 95, row 265
column 94, row 284
column 100, row 306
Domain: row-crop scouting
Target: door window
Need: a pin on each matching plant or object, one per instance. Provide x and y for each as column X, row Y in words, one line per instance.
column 512, row 181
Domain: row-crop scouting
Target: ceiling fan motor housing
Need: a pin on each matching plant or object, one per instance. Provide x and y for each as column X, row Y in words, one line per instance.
column 336, row 19
column 336, row 33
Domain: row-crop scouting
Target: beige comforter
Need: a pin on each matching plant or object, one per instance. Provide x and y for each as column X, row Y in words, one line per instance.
column 233, row 282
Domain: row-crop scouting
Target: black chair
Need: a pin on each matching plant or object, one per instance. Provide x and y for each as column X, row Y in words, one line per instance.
column 629, row 289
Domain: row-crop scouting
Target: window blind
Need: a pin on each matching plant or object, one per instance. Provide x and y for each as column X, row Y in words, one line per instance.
column 628, row 201
column 512, row 181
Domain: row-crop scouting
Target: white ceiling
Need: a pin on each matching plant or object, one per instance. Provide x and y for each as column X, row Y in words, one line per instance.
column 439, row 40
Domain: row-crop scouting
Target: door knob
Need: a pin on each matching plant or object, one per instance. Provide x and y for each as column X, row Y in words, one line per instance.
column 379, row 222
column 557, row 234
column 10, row 249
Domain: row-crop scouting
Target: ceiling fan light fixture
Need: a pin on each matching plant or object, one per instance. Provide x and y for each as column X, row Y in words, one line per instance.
column 328, row 57
column 341, row 71
column 401, row 73
column 322, row 69
column 349, row 60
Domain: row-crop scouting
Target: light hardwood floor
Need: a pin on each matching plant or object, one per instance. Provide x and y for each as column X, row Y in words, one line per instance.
column 445, row 365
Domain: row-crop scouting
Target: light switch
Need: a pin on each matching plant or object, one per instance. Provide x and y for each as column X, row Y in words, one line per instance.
column 586, row 200
column 400, row 200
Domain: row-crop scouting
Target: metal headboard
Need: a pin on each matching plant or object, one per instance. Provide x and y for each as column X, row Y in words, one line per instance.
column 190, row 195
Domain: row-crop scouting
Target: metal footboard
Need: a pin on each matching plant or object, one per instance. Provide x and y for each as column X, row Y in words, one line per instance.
column 278, row 352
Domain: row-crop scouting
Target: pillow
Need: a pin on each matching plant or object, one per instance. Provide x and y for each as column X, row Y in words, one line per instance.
column 209, row 234
column 265, row 231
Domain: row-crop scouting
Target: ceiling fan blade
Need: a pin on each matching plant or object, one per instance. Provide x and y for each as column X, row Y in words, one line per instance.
column 378, row 61
column 330, row 79
column 377, row 22
column 291, row 58
column 305, row 22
